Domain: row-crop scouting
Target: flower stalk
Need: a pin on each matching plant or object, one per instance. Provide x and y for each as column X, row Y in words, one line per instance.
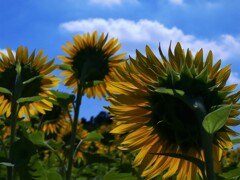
column 18, row 87
column 74, row 128
column 206, row 140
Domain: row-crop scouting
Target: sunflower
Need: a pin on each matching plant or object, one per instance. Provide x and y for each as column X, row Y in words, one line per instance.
column 91, row 60
column 55, row 120
column 35, row 81
column 5, row 129
column 153, row 123
column 65, row 136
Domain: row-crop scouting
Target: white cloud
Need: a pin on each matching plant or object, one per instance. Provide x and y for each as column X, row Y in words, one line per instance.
column 110, row 2
column 142, row 32
column 234, row 78
column 6, row 53
column 3, row 51
column 176, row 2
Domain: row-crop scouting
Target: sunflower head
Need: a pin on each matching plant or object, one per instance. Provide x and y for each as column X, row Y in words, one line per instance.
column 65, row 136
column 26, row 76
column 150, row 110
column 90, row 60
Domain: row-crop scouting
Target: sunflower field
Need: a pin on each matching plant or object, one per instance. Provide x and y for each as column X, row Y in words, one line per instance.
column 170, row 117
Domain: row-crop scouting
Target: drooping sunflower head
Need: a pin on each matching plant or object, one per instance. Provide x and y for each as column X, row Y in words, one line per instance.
column 91, row 60
column 55, row 120
column 153, row 119
column 33, row 77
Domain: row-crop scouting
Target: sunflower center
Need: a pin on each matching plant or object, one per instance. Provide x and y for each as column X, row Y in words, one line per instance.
column 8, row 78
column 92, row 63
column 175, row 121
column 173, row 118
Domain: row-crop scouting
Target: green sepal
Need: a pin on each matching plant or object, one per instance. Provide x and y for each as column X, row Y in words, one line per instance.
column 203, row 75
column 30, row 99
column 92, row 83
column 174, row 76
column 223, row 94
column 171, row 92
column 186, row 71
column 179, row 54
column 18, row 68
column 217, row 119
column 32, row 79
column 66, row 67
column 5, row 91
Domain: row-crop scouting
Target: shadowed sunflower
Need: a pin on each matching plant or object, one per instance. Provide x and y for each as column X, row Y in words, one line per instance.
column 91, row 60
column 33, row 80
column 5, row 128
column 65, row 136
column 55, row 120
column 154, row 120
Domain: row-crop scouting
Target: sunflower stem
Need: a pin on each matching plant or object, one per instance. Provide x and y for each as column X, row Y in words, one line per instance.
column 206, row 141
column 74, row 129
column 18, row 87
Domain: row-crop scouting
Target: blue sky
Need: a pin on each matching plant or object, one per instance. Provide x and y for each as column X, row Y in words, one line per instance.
column 49, row 24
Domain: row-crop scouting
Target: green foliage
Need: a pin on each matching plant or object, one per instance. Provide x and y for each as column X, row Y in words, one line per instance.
column 92, row 83
column 113, row 174
column 93, row 136
column 32, row 79
column 216, row 119
column 66, row 67
column 30, row 99
column 63, row 99
column 5, row 91
column 232, row 174
column 236, row 141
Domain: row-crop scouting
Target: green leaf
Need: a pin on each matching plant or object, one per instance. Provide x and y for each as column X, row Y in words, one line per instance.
column 5, row 91
column 171, row 92
column 66, row 67
column 32, row 79
column 35, row 170
column 93, row 136
column 7, row 164
column 216, row 119
column 53, row 175
column 118, row 176
column 236, row 141
column 30, row 99
column 55, row 145
column 63, row 99
column 21, row 152
column 232, row 174
column 37, row 138
column 92, row 83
